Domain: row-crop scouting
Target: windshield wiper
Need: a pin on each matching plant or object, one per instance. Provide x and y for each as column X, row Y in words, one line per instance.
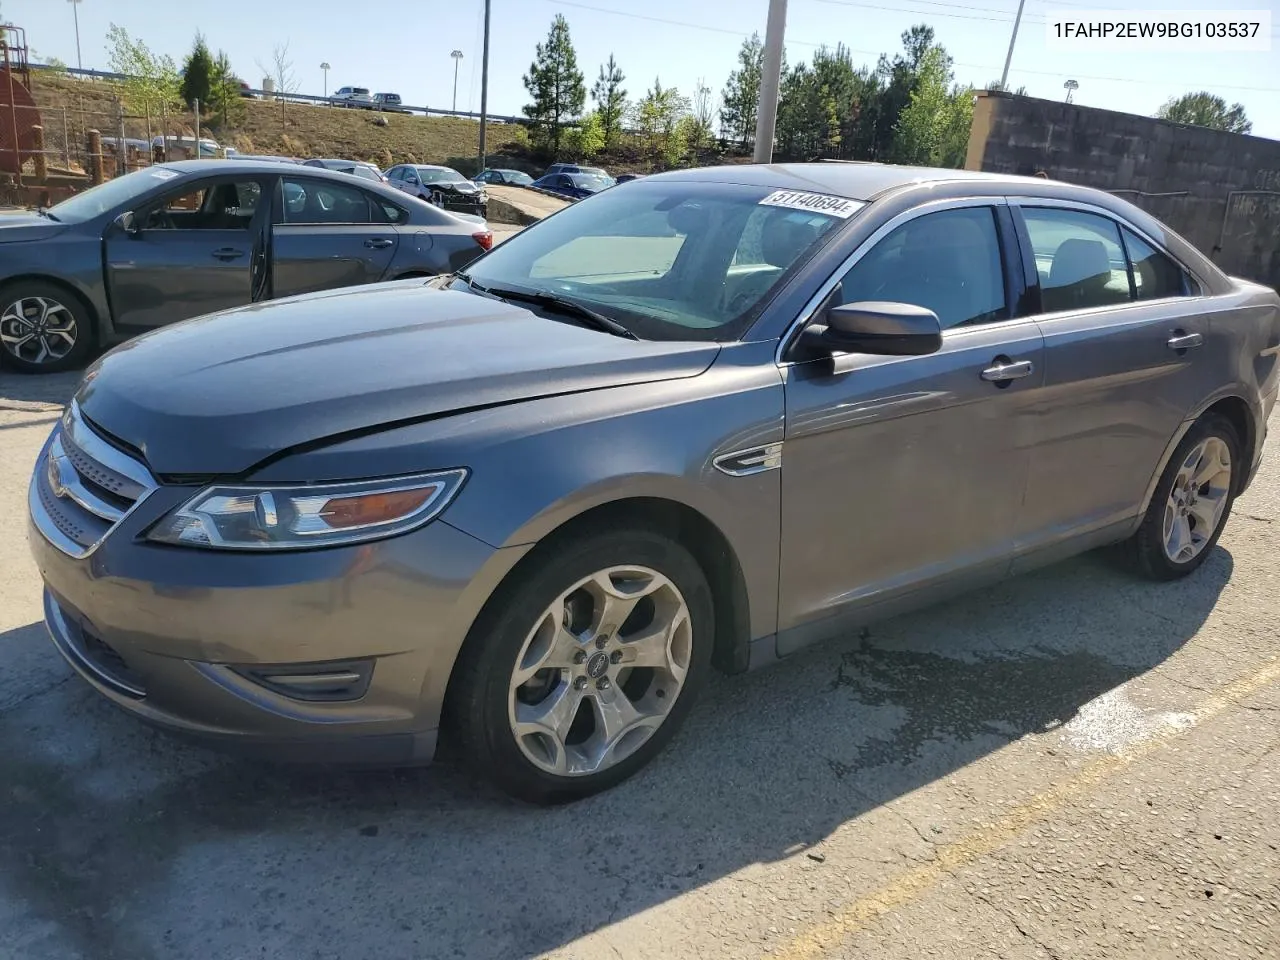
column 549, row 301
column 44, row 212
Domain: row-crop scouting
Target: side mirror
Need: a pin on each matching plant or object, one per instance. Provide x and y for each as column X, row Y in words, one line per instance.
column 883, row 329
column 128, row 223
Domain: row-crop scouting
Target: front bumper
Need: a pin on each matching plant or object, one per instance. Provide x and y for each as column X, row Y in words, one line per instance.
column 338, row 656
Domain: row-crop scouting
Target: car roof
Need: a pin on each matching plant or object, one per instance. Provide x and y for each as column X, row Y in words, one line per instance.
column 856, row 180
column 236, row 165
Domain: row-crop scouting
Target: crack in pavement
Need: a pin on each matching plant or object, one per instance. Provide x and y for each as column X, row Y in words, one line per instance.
column 1008, row 914
column 36, row 694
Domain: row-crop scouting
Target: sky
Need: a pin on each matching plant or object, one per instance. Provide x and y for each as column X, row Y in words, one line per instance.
column 405, row 47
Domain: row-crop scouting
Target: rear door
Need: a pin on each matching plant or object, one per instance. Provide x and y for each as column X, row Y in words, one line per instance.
column 198, row 249
column 330, row 234
column 1128, row 355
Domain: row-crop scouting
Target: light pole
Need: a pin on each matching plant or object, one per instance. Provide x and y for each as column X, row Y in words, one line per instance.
column 484, row 85
column 325, row 67
column 1071, row 86
column 1004, row 77
column 770, row 73
column 457, row 59
column 75, row 12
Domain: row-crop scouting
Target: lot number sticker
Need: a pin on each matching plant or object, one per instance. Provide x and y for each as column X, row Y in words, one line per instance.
column 164, row 174
column 813, row 203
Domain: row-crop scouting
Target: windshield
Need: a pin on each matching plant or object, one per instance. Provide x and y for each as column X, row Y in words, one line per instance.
column 430, row 175
column 107, row 196
column 670, row 260
column 589, row 181
column 515, row 176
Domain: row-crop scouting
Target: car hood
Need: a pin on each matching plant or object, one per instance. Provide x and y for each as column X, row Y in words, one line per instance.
column 17, row 227
column 219, row 394
column 461, row 186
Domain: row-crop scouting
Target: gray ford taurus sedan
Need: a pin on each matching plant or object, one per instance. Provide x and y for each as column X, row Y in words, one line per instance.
column 697, row 421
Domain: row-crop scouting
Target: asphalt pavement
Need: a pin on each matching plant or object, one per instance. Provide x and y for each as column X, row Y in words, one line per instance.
column 1074, row 764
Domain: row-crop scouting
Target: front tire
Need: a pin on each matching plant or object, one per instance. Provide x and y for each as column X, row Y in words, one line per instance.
column 1191, row 503
column 582, row 669
column 44, row 328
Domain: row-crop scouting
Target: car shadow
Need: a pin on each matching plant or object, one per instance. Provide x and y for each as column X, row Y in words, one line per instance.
column 115, row 833
column 37, row 392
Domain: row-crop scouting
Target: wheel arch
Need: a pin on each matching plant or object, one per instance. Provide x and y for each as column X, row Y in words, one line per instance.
column 1232, row 405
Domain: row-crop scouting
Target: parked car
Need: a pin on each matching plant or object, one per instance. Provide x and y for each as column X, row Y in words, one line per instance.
column 246, row 91
column 627, row 177
column 576, row 168
column 576, row 186
column 512, row 178
column 443, row 187
column 353, row 97
column 389, row 102
column 356, row 168
column 178, row 240
column 698, row 423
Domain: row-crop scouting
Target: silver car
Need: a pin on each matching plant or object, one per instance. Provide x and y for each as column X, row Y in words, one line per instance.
column 696, row 422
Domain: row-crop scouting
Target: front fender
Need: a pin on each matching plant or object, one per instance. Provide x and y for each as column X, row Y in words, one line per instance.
column 536, row 465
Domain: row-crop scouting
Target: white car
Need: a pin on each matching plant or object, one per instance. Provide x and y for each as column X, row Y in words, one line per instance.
column 359, row 97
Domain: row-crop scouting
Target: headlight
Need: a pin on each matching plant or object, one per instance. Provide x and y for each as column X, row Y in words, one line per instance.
column 289, row 518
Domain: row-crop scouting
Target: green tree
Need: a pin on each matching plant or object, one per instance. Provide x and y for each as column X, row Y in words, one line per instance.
column 1203, row 109
column 996, row 85
column 657, row 120
column 150, row 80
column 556, row 85
column 741, row 97
column 198, row 74
column 586, row 139
column 611, row 100
column 933, row 130
column 699, row 131
column 224, row 91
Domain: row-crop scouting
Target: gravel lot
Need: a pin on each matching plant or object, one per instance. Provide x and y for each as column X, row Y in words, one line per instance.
column 1072, row 765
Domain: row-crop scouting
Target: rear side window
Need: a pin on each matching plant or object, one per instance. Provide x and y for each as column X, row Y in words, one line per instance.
column 948, row 262
column 1079, row 259
column 1154, row 274
column 316, row 201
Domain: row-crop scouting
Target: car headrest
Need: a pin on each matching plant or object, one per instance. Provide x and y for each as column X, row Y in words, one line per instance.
column 1076, row 260
column 783, row 240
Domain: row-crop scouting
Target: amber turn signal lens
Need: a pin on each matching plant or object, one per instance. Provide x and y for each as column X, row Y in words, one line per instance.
column 345, row 512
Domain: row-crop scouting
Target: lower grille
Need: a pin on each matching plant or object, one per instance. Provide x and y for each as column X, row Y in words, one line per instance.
column 108, row 660
column 88, row 652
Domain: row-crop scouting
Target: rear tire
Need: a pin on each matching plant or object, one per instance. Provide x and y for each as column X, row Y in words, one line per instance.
column 542, row 700
column 1191, row 503
column 44, row 327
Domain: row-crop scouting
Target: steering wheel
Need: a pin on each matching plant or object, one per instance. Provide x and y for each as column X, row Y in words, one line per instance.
column 159, row 219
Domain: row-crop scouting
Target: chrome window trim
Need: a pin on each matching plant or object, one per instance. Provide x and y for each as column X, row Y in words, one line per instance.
column 933, row 206
column 1121, row 221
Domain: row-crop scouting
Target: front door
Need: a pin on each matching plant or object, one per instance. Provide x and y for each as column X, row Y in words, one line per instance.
column 194, row 251
column 330, row 234
column 1128, row 355
column 903, row 472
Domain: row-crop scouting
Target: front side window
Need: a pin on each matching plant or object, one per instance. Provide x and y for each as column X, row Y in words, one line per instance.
column 320, row 201
column 207, row 206
column 664, row 258
column 1079, row 259
column 948, row 262
column 1154, row 274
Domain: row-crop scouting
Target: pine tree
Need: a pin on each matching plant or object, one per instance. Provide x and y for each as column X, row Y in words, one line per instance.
column 741, row 98
column 198, row 73
column 556, row 85
column 610, row 98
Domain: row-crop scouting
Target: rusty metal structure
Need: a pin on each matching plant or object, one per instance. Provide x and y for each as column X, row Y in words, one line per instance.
column 18, row 114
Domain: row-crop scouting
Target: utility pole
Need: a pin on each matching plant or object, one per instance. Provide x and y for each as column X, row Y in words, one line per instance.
column 1017, row 20
column 457, row 59
column 484, row 86
column 325, row 67
column 770, row 76
column 75, row 12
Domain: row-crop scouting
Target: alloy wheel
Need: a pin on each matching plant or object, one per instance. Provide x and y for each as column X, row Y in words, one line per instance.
column 599, row 672
column 38, row 330
column 1200, row 493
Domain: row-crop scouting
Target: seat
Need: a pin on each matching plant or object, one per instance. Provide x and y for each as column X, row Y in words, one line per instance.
column 1078, row 277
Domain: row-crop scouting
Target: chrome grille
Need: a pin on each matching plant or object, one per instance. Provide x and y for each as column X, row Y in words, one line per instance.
column 83, row 486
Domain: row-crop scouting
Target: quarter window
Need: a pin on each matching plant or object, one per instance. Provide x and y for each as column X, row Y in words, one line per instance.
column 948, row 262
column 1079, row 259
column 1154, row 274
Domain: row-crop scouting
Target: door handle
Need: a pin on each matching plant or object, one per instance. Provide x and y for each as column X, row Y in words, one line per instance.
column 378, row 243
column 1003, row 372
column 1185, row 341
column 228, row 253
